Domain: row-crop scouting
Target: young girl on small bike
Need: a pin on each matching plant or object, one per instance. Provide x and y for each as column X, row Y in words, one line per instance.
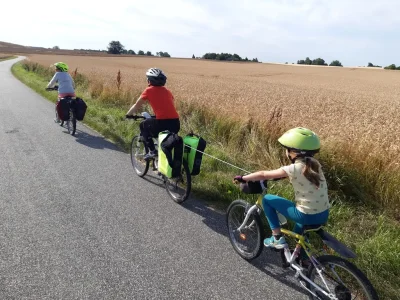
column 66, row 85
column 311, row 205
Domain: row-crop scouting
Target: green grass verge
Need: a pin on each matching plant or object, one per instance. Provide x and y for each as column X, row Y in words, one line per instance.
column 374, row 237
column 8, row 57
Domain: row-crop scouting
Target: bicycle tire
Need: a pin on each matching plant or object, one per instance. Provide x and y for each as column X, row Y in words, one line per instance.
column 73, row 121
column 136, row 140
column 185, row 178
column 235, row 216
column 341, row 292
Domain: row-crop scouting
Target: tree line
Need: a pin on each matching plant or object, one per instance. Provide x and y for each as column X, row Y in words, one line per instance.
column 226, row 57
column 318, row 62
column 115, row 47
column 392, row 67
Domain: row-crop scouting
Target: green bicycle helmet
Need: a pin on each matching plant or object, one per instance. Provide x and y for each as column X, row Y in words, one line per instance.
column 63, row 67
column 301, row 140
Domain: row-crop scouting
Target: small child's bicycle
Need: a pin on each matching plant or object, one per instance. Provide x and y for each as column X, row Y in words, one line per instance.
column 326, row 276
column 178, row 187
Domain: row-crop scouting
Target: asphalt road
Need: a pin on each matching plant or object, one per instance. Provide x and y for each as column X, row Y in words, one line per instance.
column 77, row 223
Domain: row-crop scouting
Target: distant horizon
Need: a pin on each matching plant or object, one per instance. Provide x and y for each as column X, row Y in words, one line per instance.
column 190, row 57
column 353, row 32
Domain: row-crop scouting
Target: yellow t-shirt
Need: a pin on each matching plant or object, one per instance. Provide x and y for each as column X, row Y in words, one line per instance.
column 309, row 198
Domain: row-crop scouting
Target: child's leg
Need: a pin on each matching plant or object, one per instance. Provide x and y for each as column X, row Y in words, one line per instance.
column 146, row 128
column 273, row 203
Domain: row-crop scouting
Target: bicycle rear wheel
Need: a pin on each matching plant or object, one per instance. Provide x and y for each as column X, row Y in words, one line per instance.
column 71, row 123
column 343, row 280
column 138, row 151
column 179, row 187
column 247, row 242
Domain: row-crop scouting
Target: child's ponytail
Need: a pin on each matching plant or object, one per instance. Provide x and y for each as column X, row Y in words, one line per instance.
column 312, row 170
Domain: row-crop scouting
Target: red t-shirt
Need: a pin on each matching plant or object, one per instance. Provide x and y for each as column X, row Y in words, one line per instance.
column 161, row 101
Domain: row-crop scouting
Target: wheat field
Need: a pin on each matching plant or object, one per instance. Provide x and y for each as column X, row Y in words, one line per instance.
column 356, row 105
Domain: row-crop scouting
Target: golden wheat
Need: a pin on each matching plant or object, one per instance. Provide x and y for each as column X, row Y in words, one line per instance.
column 341, row 104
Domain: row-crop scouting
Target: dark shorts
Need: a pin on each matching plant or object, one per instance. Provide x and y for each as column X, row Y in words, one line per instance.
column 152, row 127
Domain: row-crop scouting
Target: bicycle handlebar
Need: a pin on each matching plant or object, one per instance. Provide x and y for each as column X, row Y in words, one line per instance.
column 55, row 88
column 137, row 117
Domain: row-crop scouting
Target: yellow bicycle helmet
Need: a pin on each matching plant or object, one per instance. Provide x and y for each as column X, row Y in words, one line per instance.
column 63, row 67
column 300, row 139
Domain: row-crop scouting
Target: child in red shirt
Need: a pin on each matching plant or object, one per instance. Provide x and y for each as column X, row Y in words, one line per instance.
column 162, row 102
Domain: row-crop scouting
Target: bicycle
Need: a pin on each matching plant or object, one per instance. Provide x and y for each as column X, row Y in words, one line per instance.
column 71, row 122
column 246, row 235
column 178, row 187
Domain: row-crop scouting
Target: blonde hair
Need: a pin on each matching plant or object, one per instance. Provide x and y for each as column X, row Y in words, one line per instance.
column 312, row 170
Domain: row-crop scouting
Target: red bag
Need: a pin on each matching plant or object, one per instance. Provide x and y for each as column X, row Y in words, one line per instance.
column 62, row 107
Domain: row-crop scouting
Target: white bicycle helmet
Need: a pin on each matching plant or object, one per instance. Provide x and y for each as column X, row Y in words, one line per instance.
column 156, row 77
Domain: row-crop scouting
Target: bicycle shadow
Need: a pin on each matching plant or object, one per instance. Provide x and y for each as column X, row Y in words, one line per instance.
column 93, row 141
column 153, row 178
column 269, row 262
column 211, row 217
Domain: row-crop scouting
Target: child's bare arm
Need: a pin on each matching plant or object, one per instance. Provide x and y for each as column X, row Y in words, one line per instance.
column 265, row 175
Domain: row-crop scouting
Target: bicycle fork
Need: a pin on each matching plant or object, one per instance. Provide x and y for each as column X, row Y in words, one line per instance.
column 248, row 214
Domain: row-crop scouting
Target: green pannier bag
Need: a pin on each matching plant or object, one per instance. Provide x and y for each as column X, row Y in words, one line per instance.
column 193, row 143
column 170, row 154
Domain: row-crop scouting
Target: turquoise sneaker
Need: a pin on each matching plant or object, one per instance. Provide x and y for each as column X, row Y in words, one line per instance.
column 271, row 242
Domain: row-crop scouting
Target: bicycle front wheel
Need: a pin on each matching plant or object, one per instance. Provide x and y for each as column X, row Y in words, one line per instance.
column 247, row 242
column 179, row 187
column 340, row 279
column 138, row 151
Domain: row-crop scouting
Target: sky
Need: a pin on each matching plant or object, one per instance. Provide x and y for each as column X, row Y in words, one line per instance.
column 353, row 31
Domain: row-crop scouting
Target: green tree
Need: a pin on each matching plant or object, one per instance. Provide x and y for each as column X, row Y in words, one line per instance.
column 391, row 67
column 163, row 54
column 210, row 56
column 56, row 48
column 131, row 52
column 370, row 65
column 336, row 63
column 308, row 61
column 194, row 57
column 319, row 62
column 148, row 53
column 115, row 47
column 236, row 57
